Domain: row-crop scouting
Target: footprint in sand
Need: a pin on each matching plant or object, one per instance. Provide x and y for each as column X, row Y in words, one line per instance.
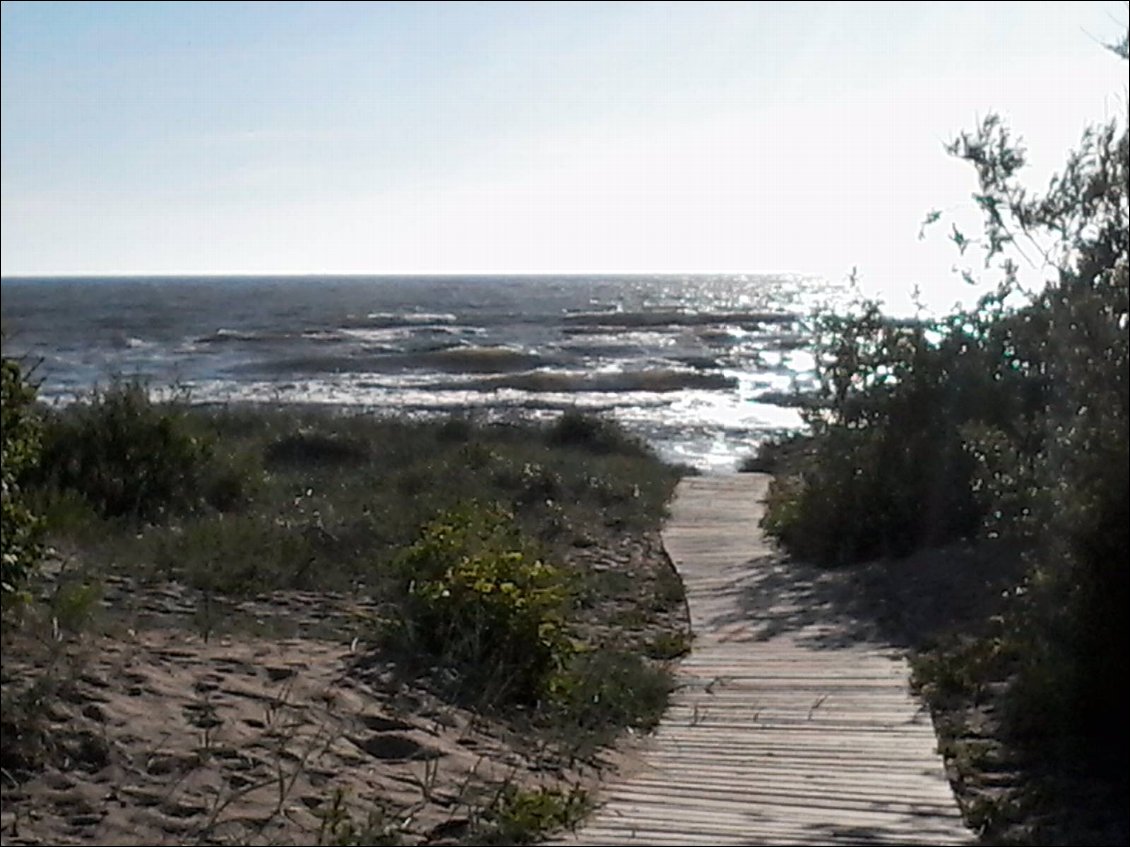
column 143, row 796
column 381, row 723
column 179, row 656
column 58, row 781
column 85, row 751
column 278, row 673
column 85, row 819
column 238, row 781
column 208, row 684
column 164, row 765
column 202, row 715
column 390, row 746
column 236, row 666
column 94, row 680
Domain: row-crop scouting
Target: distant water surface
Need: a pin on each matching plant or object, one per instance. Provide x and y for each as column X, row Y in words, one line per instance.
column 697, row 365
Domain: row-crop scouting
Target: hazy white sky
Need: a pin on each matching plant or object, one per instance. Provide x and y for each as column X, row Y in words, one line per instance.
column 541, row 137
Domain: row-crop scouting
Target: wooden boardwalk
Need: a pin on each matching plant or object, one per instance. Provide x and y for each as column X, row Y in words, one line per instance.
column 790, row 724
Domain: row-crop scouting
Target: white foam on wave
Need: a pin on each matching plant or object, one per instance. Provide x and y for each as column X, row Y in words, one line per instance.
column 410, row 318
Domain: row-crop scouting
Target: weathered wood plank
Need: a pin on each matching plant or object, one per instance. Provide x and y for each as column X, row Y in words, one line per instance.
column 794, row 785
column 674, row 767
column 800, row 734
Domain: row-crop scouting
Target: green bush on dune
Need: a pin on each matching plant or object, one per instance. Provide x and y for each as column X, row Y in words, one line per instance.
column 20, row 528
column 894, row 462
column 594, row 434
column 1009, row 420
column 131, row 457
column 475, row 596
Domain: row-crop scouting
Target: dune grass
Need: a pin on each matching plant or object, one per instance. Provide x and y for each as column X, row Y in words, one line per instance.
column 479, row 544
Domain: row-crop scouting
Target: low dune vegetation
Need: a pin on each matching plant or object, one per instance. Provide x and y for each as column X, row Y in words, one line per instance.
column 503, row 580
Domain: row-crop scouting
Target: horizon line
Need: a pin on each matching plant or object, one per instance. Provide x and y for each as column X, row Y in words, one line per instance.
column 391, row 274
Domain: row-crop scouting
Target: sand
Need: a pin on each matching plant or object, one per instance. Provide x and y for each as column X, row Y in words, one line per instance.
column 270, row 721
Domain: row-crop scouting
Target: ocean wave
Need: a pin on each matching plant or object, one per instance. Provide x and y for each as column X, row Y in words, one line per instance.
column 381, row 359
column 378, row 336
column 790, row 399
column 312, row 364
column 656, row 381
column 583, row 337
column 745, row 320
column 129, row 342
column 328, row 336
column 699, row 363
column 480, row 359
column 246, row 336
column 601, row 350
column 788, row 342
column 394, row 319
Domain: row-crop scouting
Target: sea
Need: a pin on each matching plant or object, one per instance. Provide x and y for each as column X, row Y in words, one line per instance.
column 703, row 367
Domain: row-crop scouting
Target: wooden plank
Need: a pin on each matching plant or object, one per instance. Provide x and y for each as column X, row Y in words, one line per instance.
column 685, row 738
column 712, row 725
column 873, row 786
column 834, row 795
column 740, row 765
column 774, row 739
column 818, row 830
column 748, row 798
column 767, row 718
column 635, row 834
column 702, row 821
column 750, row 830
column 663, row 838
column 674, row 767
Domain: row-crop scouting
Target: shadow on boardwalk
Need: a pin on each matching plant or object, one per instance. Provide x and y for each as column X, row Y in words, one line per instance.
column 903, row 603
column 820, row 608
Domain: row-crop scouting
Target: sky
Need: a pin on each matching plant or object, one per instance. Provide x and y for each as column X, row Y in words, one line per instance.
column 213, row 138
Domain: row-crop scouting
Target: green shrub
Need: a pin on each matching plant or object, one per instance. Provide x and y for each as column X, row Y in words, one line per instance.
column 132, row 457
column 456, row 429
column 668, row 645
column 341, row 826
column 1060, row 475
column 594, row 434
column 518, row 816
column 776, row 455
column 20, row 529
column 1011, row 418
column 886, row 470
column 243, row 555
column 601, row 692
column 307, row 448
column 473, row 597
column 960, row 669
column 26, row 740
